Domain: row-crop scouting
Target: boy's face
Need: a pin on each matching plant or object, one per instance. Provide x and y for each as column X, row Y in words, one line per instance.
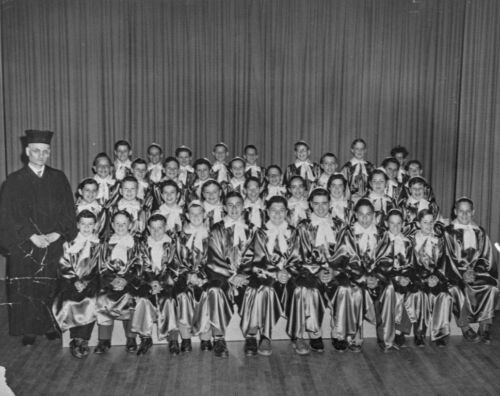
column 86, row 226
column 157, row 229
column 234, row 207
column 302, row 152
column 427, row 224
column 212, row 194
column 391, row 169
column 184, row 158
column 202, row 171
column 238, row 169
column 417, row 191
column 172, row 170
column 414, row 170
column 103, row 168
column 121, row 225
column 395, row 224
column 154, row 155
column 401, row 158
column 129, row 190
column 329, row 165
column 464, row 213
column 378, row 184
column 195, row 215
column 220, row 153
column 297, row 189
column 252, row 191
column 359, row 151
column 123, row 153
column 320, row 206
column 337, row 189
column 274, row 177
column 170, row 195
column 251, row 156
column 277, row 213
column 89, row 192
column 139, row 171
column 365, row 216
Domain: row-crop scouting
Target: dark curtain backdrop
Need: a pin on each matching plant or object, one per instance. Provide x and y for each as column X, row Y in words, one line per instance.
column 421, row 73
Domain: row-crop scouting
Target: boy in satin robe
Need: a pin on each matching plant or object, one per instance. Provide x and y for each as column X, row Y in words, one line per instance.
column 274, row 183
column 211, row 194
column 472, row 273
column 311, row 274
column 87, row 200
column 303, row 166
column 108, row 188
column 252, row 169
column 170, row 208
column 340, row 205
column 219, row 170
column 265, row 263
column 357, row 170
column 228, row 240
column 298, row 206
column 155, row 302
column 74, row 306
column 202, row 169
column 382, row 202
column 329, row 165
column 123, row 164
column 254, row 211
column 120, row 267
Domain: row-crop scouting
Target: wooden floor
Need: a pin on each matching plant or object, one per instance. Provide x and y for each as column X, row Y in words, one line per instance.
column 48, row 369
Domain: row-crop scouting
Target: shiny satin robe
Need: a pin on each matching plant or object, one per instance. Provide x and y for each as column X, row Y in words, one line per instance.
column 344, row 213
column 101, row 214
column 410, row 209
column 260, row 217
column 294, row 170
column 158, row 308
column 397, row 307
column 139, row 217
column 108, row 195
column 223, row 260
column 351, row 303
column 308, row 295
column 255, row 171
column 264, row 296
column 429, row 252
column 72, row 308
column 382, row 204
column 357, row 183
column 117, row 304
column 476, row 301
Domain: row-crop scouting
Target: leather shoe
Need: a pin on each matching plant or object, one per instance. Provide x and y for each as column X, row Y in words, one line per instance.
column 146, row 343
column 75, row 348
column 220, row 348
column 131, row 345
column 470, row 335
column 206, row 345
column 102, row 347
column 250, row 346
column 186, row 345
column 173, row 347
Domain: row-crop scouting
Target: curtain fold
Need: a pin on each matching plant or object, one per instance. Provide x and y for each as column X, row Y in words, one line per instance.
column 422, row 74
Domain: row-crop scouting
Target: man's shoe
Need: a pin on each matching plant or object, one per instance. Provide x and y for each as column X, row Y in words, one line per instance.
column 339, row 345
column 75, row 348
column 146, row 344
column 301, row 347
column 206, row 345
column 220, row 348
column 102, row 346
column 250, row 347
column 470, row 335
column 131, row 345
column 317, row 345
column 484, row 333
column 265, row 347
column 173, row 347
column 28, row 339
column 186, row 345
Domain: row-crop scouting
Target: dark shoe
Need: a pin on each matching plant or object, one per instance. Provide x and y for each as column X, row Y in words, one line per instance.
column 186, row 345
column 84, row 347
column 28, row 340
column 220, row 348
column 484, row 333
column 419, row 341
column 340, row 345
column 400, row 340
column 206, row 345
column 265, row 347
column 470, row 335
column 317, row 345
column 102, row 346
column 173, row 347
column 131, row 345
column 442, row 342
column 52, row 335
column 355, row 348
column 146, row 343
column 250, row 347
column 75, row 348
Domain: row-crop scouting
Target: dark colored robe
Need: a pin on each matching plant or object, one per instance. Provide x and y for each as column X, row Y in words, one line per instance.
column 34, row 205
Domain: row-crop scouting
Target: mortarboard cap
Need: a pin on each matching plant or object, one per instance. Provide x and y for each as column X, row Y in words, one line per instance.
column 36, row 136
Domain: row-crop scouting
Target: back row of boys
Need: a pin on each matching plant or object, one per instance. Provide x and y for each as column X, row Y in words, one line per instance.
column 177, row 245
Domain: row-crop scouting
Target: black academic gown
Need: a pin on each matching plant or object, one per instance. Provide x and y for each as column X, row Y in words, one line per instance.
column 34, row 205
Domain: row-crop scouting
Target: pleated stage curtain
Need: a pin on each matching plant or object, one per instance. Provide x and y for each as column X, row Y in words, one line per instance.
column 421, row 73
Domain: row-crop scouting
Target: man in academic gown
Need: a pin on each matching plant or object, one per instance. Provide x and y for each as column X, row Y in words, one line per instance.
column 37, row 216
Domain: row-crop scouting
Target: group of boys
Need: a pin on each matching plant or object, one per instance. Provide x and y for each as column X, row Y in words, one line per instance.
column 181, row 245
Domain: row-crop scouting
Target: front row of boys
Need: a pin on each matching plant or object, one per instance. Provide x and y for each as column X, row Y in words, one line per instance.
column 188, row 285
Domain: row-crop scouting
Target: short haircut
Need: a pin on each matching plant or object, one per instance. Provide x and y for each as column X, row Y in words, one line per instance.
column 170, row 183
column 124, row 213
column 328, row 155
column 356, row 141
column 413, row 162
column 296, row 177
column 424, row 212
column 155, row 145
column 85, row 214
column 250, row 147
column 129, row 179
column 122, row 143
column 202, row 161
column 377, row 172
column 208, row 183
column 251, row 179
column 364, row 202
column 157, row 217
column 318, row 192
column 233, row 194
column 138, row 161
column 181, row 149
column 276, row 199
column 337, row 176
column 235, row 159
column 86, row 182
column 170, row 159
column 399, row 149
column 394, row 212
column 273, row 167
column 462, row 200
column 100, row 156
column 388, row 160
column 301, row 143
